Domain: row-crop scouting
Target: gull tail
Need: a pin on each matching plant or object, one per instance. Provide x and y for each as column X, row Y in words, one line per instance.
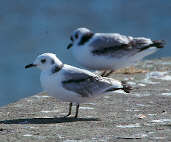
column 127, row 88
column 156, row 43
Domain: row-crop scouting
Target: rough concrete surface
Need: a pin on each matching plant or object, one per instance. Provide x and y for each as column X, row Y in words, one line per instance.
column 143, row 115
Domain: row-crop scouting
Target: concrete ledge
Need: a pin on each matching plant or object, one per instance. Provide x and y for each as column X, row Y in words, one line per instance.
column 143, row 115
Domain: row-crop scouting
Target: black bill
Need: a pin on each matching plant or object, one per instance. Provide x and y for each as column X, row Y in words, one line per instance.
column 29, row 66
column 69, row 46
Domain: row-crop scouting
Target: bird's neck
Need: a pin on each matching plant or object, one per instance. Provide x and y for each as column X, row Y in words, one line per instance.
column 46, row 72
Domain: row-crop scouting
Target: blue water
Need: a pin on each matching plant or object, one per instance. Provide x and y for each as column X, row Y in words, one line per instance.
column 31, row 27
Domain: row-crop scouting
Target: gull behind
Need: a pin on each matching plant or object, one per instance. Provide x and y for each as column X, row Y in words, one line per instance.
column 110, row 51
column 71, row 84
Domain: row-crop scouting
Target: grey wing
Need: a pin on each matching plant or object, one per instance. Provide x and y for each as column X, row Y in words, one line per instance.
column 111, row 44
column 117, row 45
column 102, row 40
column 84, row 84
column 74, row 73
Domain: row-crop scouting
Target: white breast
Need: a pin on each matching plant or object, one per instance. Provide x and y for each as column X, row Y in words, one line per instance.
column 97, row 62
column 52, row 84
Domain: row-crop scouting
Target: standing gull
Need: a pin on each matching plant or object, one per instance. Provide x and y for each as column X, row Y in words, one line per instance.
column 110, row 51
column 72, row 84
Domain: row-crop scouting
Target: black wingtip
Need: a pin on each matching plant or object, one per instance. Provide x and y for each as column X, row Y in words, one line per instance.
column 127, row 88
column 159, row 43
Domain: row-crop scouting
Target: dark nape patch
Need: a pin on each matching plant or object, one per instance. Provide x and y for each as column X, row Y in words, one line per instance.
column 76, row 35
column 85, row 38
column 71, row 38
column 107, row 50
column 57, row 68
column 52, row 62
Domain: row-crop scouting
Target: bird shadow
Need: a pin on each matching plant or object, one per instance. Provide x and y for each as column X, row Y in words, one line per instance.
column 46, row 120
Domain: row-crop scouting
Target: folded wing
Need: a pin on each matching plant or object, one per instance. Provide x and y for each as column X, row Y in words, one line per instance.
column 87, row 84
column 117, row 45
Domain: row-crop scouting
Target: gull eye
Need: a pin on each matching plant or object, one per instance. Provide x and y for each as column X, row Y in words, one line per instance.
column 76, row 36
column 43, row 61
column 71, row 38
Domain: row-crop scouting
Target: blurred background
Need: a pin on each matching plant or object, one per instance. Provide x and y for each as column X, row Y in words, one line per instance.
column 31, row 27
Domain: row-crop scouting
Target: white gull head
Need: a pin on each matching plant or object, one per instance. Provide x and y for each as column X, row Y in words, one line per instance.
column 45, row 61
column 80, row 35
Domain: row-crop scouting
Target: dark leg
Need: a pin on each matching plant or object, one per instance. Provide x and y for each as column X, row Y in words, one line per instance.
column 107, row 74
column 77, row 108
column 103, row 73
column 70, row 108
